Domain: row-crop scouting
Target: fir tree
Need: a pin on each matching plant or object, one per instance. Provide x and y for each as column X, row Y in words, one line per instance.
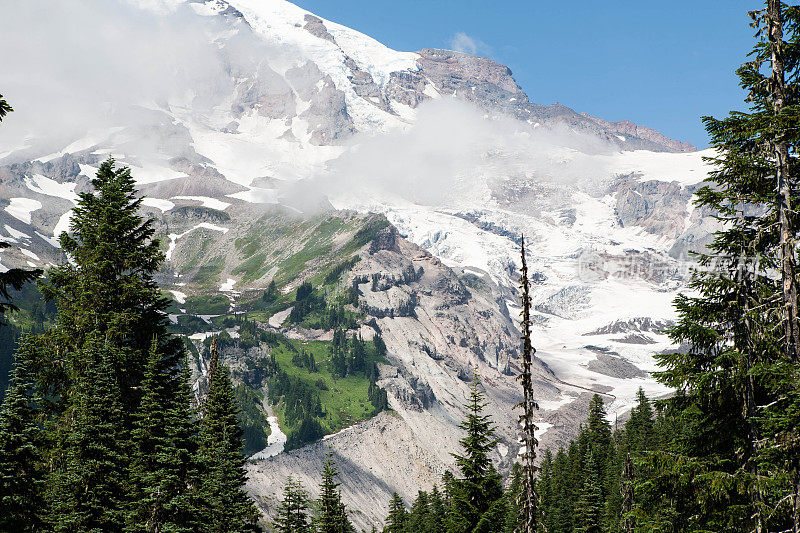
column 589, row 507
column 419, row 518
column 87, row 486
column 479, row 486
column 21, row 478
column 739, row 373
column 107, row 288
column 332, row 515
column 398, row 516
column 437, row 511
column 293, row 510
column 225, row 506
column 163, row 444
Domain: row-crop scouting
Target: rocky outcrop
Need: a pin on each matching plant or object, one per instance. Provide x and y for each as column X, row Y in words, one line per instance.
column 657, row 206
column 431, row 356
column 267, row 93
column 327, row 116
column 626, row 127
column 636, row 325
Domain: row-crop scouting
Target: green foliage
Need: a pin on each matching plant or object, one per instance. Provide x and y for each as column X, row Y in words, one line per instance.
column 480, row 486
column 313, row 400
column 398, row 516
column 225, row 506
column 108, row 290
column 252, row 419
column 163, row 444
column 331, row 515
column 21, row 475
column 293, row 516
column 91, row 449
column 97, row 428
column 207, row 304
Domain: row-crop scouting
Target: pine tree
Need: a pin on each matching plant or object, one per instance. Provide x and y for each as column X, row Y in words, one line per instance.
column 21, row 478
column 479, row 486
column 225, row 506
column 87, row 486
column 332, row 515
column 293, row 510
column 398, row 516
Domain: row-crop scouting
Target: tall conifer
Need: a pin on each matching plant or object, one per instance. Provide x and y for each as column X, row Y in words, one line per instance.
column 21, row 475
column 225, row 506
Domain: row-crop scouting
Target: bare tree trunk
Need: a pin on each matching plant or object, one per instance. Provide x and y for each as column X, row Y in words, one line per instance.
column 529, row 503
column 781, row 154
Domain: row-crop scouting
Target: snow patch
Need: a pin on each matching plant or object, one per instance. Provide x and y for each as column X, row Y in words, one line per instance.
column 16, row 234
column 21, row 208
column 180, row 297
column 48, row 187
column 213, row 203
column 173, row 237
column 158, row 203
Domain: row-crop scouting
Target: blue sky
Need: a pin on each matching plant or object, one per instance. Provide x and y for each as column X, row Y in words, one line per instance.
column 659, row 64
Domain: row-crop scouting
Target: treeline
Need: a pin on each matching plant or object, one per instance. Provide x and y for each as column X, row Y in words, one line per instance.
column 97, row 429
column 590, row 485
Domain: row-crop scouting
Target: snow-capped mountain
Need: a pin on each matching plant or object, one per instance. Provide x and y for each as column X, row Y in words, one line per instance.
column 293, row 113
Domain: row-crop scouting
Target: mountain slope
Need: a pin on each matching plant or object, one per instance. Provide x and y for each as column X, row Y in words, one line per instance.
column 263, row 165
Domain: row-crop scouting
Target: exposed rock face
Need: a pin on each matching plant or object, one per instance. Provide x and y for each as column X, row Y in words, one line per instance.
column 267, row 93
column 431, row 354
column 327, row 116
column 565, row 303
column 615, row 366
column 656, row 206
column 638, row 324
column 627, row 127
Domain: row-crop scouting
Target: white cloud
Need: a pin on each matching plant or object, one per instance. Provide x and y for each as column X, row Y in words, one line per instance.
column 453, row 151
column 462, row 42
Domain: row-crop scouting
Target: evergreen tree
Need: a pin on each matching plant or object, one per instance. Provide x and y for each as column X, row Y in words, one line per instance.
column 479, row 486
column 21, row 483
column 332, row 515
column 589, row 507
column 293, row 510
column 398, row 516
column 225, row 506
column 163, row 446
column 741, row 325
column 437, row 511
column 107, row 287
column 419, row 518
column 87, row 485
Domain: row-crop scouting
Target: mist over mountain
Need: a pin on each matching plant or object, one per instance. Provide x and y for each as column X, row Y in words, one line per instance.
column 261, row 133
